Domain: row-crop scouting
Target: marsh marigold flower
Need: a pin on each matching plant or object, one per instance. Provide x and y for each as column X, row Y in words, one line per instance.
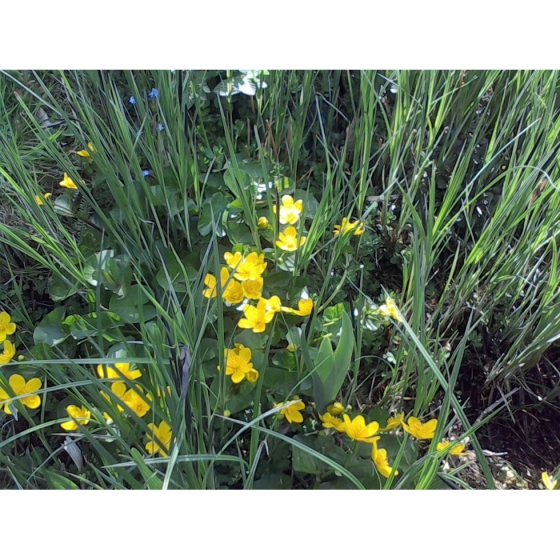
column 379, row 457
column 359, row 431
column 252, row 289
column 356, row 227
column 288, row 240
column 85, row 153
column 118, row 371
column 394, row 423
column 8, row 353
column 161, row 438
column 336, row 409
column 232, row 291
column 40, row 198
column 273, row 304
column 389, row 309
column 134, row 399
column 249, row 268
column 6, row 326
column 256, row 318
column 80, row 415
column 21, row 387
column 549, row 482
column 68, row 183
column 239, row 366
column 305, row 308
column 292, row 412
column 290, row 211
column 453, row 448
column 263, row 223
column 329, row 420
column 419, row 430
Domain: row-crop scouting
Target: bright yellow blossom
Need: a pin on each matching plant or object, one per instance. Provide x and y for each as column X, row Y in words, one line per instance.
column 549, row 482
column 21, row 387
column 273, row 304
column 80, row 415
column 118, row 371
column 329, row 420
column 336, row 409
column 288, row 241
column 389, row 309
column 252, row 289
column 263, row 223
column 239, row 366
column 68, row 183
column 290, row 211
column 134, row 399
column 249, row 268
column 8, row 353
column 85, row 153
column 419, row 430
column 454, row 448
column 292, row 412
column 40, row 199
column 305, row 307
column 161, row 438
column 379, row 457
column 346, row 227
column 256, row 318
column 394, row 423
column 232, row 292
column 6, row 326
column 359, row 431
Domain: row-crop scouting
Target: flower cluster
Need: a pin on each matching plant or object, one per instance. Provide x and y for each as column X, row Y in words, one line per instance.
column 289, row 213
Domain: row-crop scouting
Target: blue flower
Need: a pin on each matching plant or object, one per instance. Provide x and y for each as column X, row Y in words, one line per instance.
column 154, row 93
column 161, row 127
column 132, row 100
column 146, row 173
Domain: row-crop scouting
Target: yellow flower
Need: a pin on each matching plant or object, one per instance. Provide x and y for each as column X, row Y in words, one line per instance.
column 6, row 327
column 85, row 153
column 419, row 430
column 292, row 412
column 291, row 347
column 289, row 210
column 133, row 399
column 549, row 482
column 359, row 431
column 379, row 457
column 273, row 304
column 329, row 420
column 288, row 241
column 249, row 268
column 21, row 387
column 336, row 409
column 161, row 438
column 389, row 309
column 394, row 423
column 305, row 307
column 68, row 183
column 239, row 366
column 118, row 371
column 232, row 291
column 39, row 199
column 347, row 227
column 263, row 223
column 252, row 289
column 8, row 353
column 256, row 318
column 80, row 414
column 453, row 448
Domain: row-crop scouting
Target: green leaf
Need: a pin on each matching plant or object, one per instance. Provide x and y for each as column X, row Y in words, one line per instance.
column 133, row 308
column 51, row 329
column 151, row 478
column 304, row 462
column 213, row 207
column 61, row 288
column 56, row 481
